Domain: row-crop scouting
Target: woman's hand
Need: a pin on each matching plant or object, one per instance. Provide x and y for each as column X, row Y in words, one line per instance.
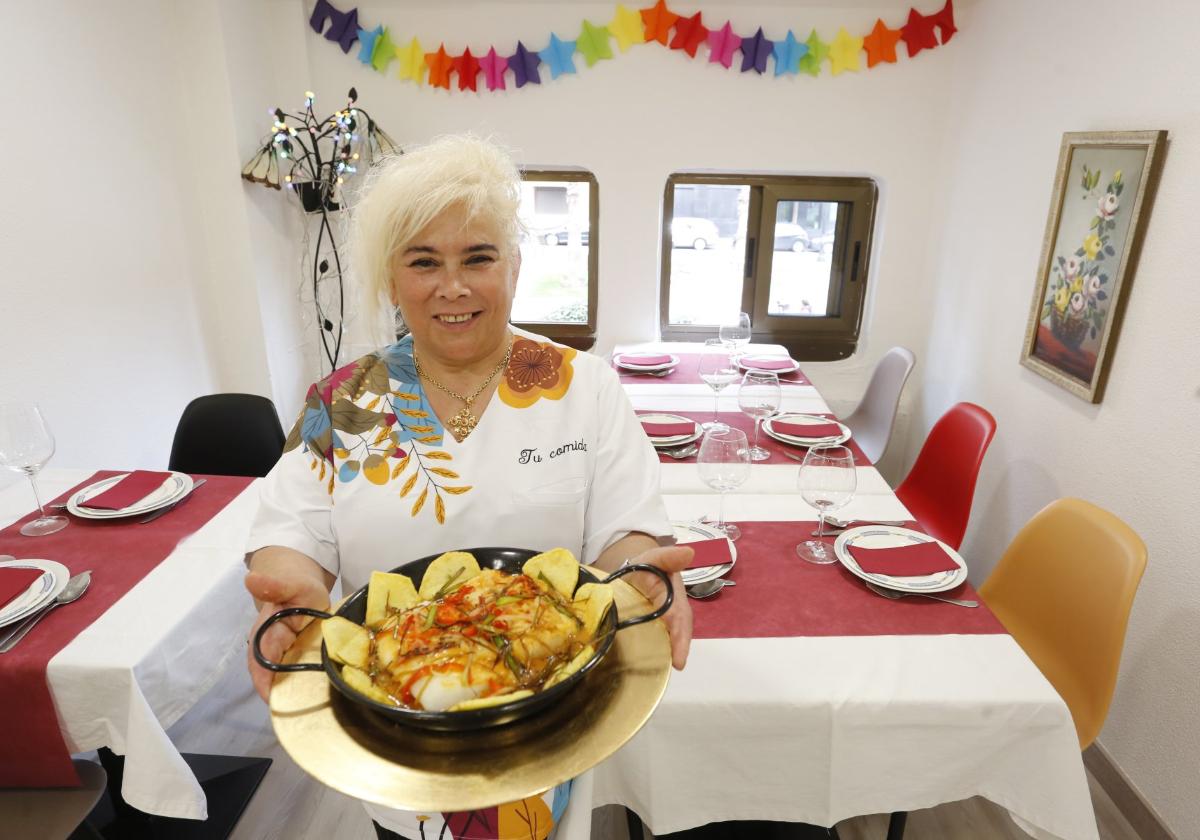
column 277, row 591
column 672, row 560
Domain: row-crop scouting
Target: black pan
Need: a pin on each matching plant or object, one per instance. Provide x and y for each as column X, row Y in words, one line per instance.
column 503, row 559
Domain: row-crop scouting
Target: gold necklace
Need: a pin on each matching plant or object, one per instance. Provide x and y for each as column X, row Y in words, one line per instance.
column 463, row 423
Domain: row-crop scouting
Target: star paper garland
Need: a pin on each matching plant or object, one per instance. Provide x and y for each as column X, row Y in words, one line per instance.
column 379, row 47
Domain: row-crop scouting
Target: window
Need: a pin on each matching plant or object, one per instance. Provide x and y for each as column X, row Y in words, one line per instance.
column 790, row 250
column 556, row 292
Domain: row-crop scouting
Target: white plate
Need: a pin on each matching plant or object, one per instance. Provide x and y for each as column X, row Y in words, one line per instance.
column 747, row 363
column 173, row 488
column 686, row 532
column 802, row 441
column 886, row 536
column 646, row 368
column 673, row 440
column 53, row 580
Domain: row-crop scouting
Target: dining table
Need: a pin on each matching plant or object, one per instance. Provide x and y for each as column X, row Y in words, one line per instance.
column 806, row 697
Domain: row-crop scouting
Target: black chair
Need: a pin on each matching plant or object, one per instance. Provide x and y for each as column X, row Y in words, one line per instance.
column 227, row 434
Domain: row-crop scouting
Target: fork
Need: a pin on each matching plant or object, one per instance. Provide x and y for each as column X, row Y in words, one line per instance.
column 895, row 596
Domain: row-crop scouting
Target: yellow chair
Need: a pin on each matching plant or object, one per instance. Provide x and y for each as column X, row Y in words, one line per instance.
column 1064, row 589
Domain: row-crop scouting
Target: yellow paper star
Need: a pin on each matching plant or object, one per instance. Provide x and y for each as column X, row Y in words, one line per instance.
column 627, row 27
column 412, row 61
column 844, row 52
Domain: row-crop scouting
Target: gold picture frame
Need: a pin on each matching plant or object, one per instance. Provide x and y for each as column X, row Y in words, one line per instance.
column 1103, row 189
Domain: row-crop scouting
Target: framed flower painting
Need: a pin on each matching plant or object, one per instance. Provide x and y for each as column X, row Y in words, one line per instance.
column 1102, row 194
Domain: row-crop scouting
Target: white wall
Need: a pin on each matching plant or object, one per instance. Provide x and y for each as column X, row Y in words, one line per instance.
column 1038, row 70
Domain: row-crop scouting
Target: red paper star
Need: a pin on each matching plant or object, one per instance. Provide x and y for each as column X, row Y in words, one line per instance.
column 690, row 33
column 881, row 44
column 467, row 68
column 658, row 21
column 440, row 64
column 918, row 33
column 944, row 20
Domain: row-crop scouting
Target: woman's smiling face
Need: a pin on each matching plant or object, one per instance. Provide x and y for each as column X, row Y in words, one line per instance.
column 454, row 286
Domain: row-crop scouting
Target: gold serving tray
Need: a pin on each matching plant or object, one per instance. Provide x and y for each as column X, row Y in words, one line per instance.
column 359, row 753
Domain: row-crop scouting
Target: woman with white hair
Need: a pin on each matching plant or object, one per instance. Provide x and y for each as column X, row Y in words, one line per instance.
column 465, row 432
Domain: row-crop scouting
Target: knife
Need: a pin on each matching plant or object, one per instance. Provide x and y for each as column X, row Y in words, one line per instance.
column 172, row 507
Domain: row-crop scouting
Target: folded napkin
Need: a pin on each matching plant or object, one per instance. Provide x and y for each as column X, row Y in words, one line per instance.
column 807, row 430
column 14, row 582
column 131, row 489
column 914, row 560
column 763, row 363
column 687, row 427
column 643, row 359
column 714, row 552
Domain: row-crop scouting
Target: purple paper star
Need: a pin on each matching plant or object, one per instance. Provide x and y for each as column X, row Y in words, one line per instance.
column 524, row 65
column 345, row 31
column 755, row 50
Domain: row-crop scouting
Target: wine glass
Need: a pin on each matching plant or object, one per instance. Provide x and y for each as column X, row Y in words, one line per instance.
column 737, row 333
column 717, row 371
column 827, row 481
column 724, row 464
column 759, row 397
column 25, row 446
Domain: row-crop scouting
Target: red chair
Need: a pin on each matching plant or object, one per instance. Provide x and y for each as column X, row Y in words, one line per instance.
column 941, row 484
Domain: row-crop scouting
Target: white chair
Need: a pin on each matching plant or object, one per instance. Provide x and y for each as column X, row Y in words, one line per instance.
column 871, row 422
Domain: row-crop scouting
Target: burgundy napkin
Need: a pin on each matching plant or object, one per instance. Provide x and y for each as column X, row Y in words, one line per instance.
column 668, row 429
column 643, row 359
column 14, row 582
column 806, row 430
column 767, row 364
column 924, row 558
column 132, row 488
column 714, row 552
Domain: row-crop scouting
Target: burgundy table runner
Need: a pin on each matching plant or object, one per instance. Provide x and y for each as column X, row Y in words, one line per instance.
column 687, row 372
column 778, row 595
column 120, row 553
column 737, row 420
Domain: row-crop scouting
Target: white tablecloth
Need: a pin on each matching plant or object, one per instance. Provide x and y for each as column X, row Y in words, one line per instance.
column 150, row 656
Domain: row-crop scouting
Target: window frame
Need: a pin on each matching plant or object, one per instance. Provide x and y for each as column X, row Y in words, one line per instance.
column 822, row 338
column 579, row 336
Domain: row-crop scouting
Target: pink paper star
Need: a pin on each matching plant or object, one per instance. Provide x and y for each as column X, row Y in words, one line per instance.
column 493, row 69
column 722, row 44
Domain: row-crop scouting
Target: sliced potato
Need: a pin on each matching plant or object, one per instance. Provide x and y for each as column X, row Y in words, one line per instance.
column 555, row 568
column 388, row 590
column 592, row 602
column 582, row 658
column 448, row 572
column 347, row 642
column 387, row 648
column 494, row 700
column 360, row 681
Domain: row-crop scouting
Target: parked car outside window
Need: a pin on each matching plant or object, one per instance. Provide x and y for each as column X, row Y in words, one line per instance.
column 790, row 236
column 693, row 232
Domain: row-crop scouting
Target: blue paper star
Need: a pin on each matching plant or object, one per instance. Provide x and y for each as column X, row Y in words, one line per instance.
column 755, row 50
column 559, row 55
column 788, row 53
column 367, row 38
column 524, row 65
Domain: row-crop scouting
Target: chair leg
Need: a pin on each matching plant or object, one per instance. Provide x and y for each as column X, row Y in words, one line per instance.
column 896, row 825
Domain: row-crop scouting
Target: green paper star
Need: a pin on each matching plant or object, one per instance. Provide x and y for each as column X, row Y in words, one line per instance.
column 592, row 43
column 385, row 51
column 818, row 50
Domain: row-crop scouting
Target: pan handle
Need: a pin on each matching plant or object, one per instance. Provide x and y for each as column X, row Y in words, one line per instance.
column 662, row 608
column 279, row 616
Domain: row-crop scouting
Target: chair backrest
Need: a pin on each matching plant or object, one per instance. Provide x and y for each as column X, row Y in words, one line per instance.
column 871, row 422
column 227, row 434
column 54, row 812
column 1064, row 589
column 941, row 484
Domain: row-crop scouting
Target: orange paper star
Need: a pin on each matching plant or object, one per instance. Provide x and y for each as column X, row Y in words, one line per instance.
column 467, row 68
column 881, row 44
column 440, row 64
column 658, row 20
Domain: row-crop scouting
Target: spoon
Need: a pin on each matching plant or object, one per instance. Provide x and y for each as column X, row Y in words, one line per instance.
column 709, row 588
column 74, row 589
column 682, row 452
column 894, row 595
